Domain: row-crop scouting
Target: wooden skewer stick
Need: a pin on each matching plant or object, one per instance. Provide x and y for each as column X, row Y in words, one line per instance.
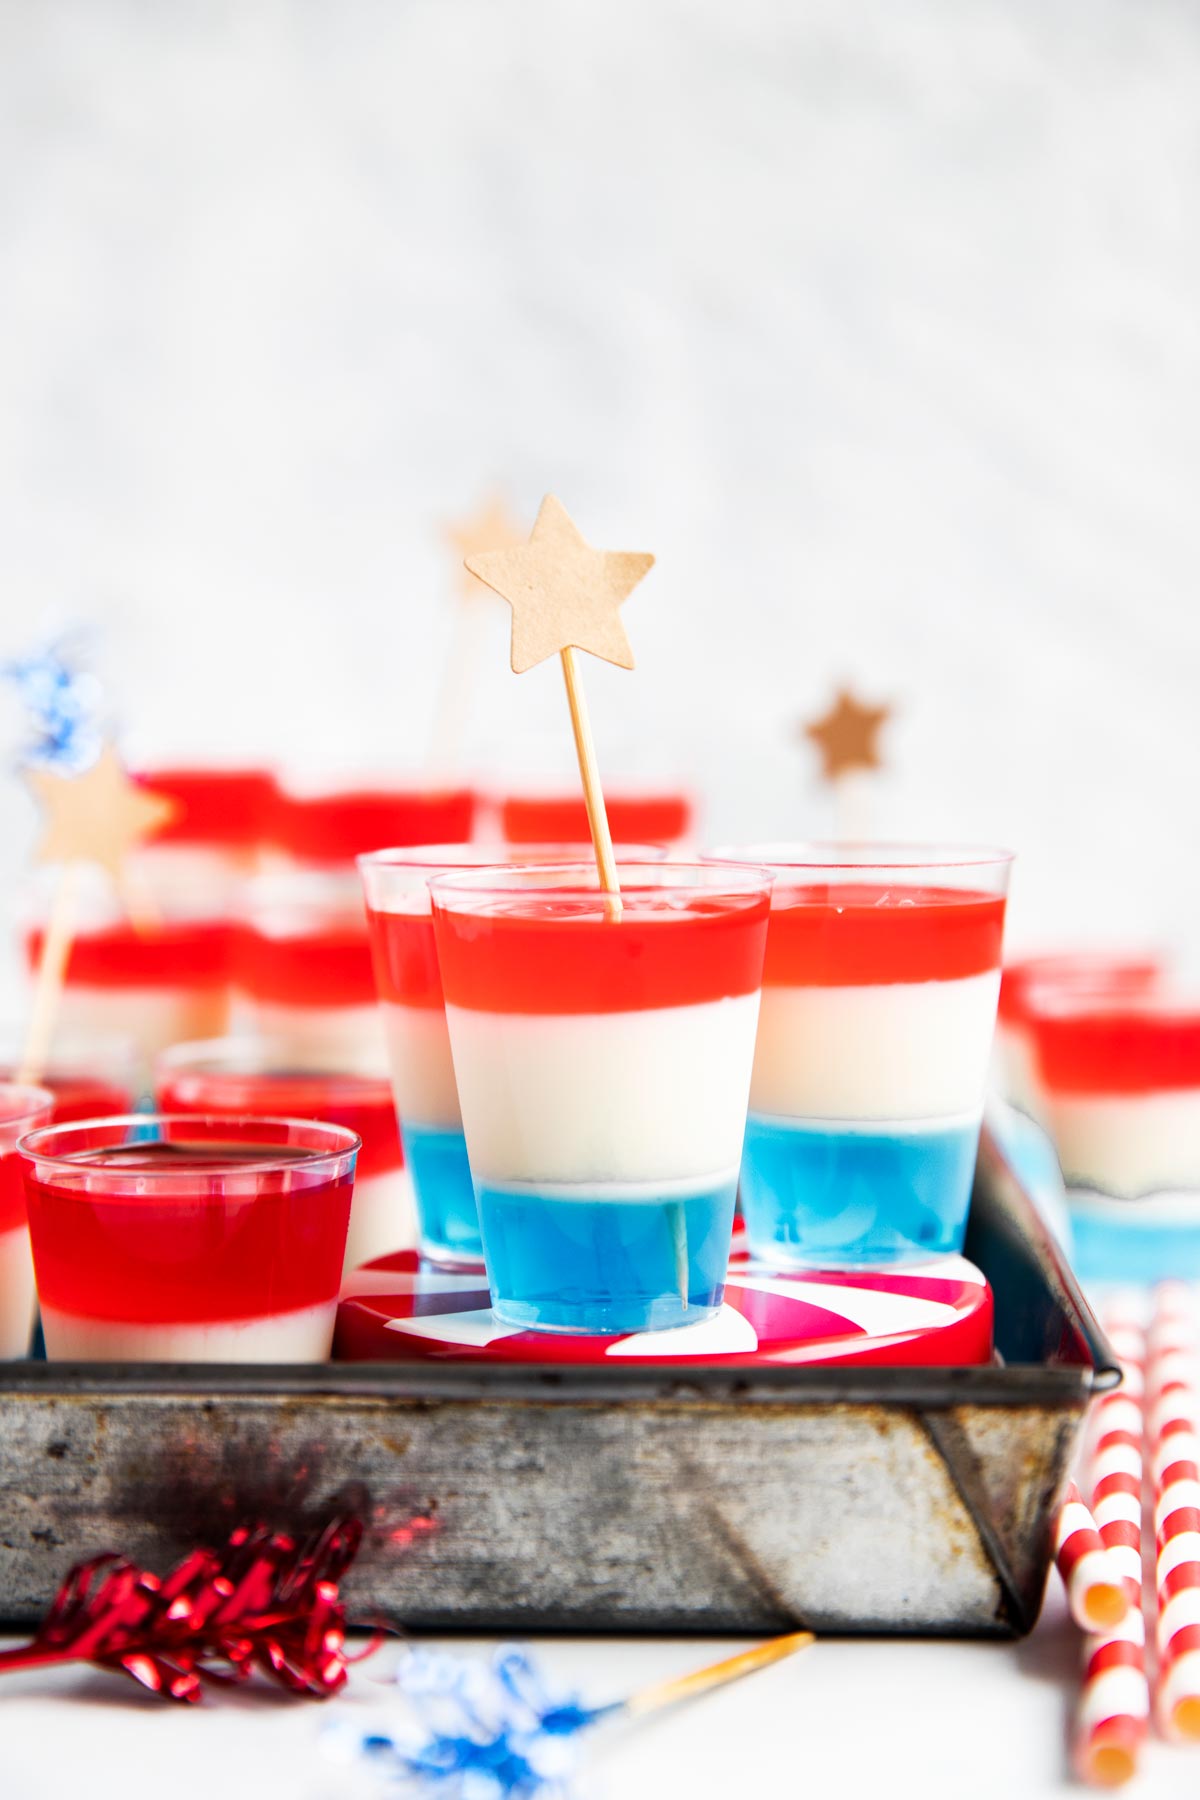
column 593, row 794
column 51, row 970
column 731, row 1668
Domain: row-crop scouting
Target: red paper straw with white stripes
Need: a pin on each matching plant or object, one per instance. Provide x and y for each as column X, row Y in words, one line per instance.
column 1095, row 1591
column 1174, row 1431
column 1114, row 1705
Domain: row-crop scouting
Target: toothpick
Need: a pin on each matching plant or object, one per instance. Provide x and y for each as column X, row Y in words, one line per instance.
column 731, row 1668
column 51, row 971
column 593, row 793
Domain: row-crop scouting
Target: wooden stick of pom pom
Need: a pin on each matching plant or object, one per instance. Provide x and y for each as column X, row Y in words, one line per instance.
column 1174, row 1417
column 731, row 1668
column 1114, row 1705
column 51, row 972
column 1095, row 1591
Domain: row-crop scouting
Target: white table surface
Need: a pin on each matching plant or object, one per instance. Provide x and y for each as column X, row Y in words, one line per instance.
column 849, row 1717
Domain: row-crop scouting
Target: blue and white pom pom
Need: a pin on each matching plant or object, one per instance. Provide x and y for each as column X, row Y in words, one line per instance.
column 62, row 705
column 480, row 1731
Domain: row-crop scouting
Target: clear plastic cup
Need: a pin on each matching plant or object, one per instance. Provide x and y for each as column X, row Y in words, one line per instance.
column 879, row 1004
column 88, row 1076
column 178, row 1238
column 603, row 1066
column 22, row 1109
column 400, row 922
column 259, row 1078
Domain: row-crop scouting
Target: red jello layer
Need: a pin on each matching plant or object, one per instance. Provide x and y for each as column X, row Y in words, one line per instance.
column 230, row 807
column 171, row 953
column 1118, row 1050
column 857, row 934
column 12, row 1191
column 524, row 956
column 404, row 952
column 634, row 819
column 360, row 1104
column 330, row 967
column 337, row 827
column 192, row 1256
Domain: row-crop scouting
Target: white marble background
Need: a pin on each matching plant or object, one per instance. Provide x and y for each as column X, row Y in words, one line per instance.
column 880, row 323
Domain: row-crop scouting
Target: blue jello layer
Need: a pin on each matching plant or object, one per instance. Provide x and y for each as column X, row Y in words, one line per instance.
column 828, row 1194
column 1124, row 1241
column 598, row 1263
column 447, row 1216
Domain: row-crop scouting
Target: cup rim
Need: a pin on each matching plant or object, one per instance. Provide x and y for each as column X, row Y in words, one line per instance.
column 348, row 1143
column 731, row 878
column 803, row 853
column 41, row 1098
column 497, row 854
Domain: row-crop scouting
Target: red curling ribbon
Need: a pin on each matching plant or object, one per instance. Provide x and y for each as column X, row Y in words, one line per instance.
column 264, row 1603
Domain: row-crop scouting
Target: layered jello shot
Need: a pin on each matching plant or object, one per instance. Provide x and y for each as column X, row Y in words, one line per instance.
column 1120, row 1082
column 879, row 1003
column 409, row 986
column 22, row 1109
column 256, row 1077
column 169, row 1238
column 603, row 1066
column 1077, row 972
column 301, row 966
column 152, row 980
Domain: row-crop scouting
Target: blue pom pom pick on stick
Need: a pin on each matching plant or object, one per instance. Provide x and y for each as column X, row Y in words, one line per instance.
column 490, row 1730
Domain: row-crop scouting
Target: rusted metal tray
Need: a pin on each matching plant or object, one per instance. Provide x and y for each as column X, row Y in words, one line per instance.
column 528, row 1499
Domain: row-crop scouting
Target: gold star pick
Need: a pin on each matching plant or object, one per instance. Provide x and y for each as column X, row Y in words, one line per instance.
column 564, row 595
column 490, row 527
column 847, row 735
column 97, row 816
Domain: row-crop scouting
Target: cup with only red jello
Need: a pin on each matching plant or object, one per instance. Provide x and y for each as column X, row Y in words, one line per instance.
column 176, row 1238
column 879, row 1003
column 257, row 1077
column 409, row 986
column 22, row 1108
column 603, row 1066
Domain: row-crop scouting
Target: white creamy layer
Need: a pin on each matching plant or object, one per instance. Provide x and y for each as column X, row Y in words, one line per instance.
column 153, row 1017
column 649, row 1096
column 16, row 1292
column 897, row 1050
column 1127, row 1144
column 317, row 1035
column 383, row 1218
column 418, row 1046
column 1017, row 1074
column 303, row 1336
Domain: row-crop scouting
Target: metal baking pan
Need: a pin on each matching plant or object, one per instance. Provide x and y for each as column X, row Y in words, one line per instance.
column 848, row 1500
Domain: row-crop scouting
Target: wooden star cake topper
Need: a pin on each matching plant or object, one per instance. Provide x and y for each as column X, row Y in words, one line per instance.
column 565, row 596
column 490, row 527
column 847, row 735
column 97, row 816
